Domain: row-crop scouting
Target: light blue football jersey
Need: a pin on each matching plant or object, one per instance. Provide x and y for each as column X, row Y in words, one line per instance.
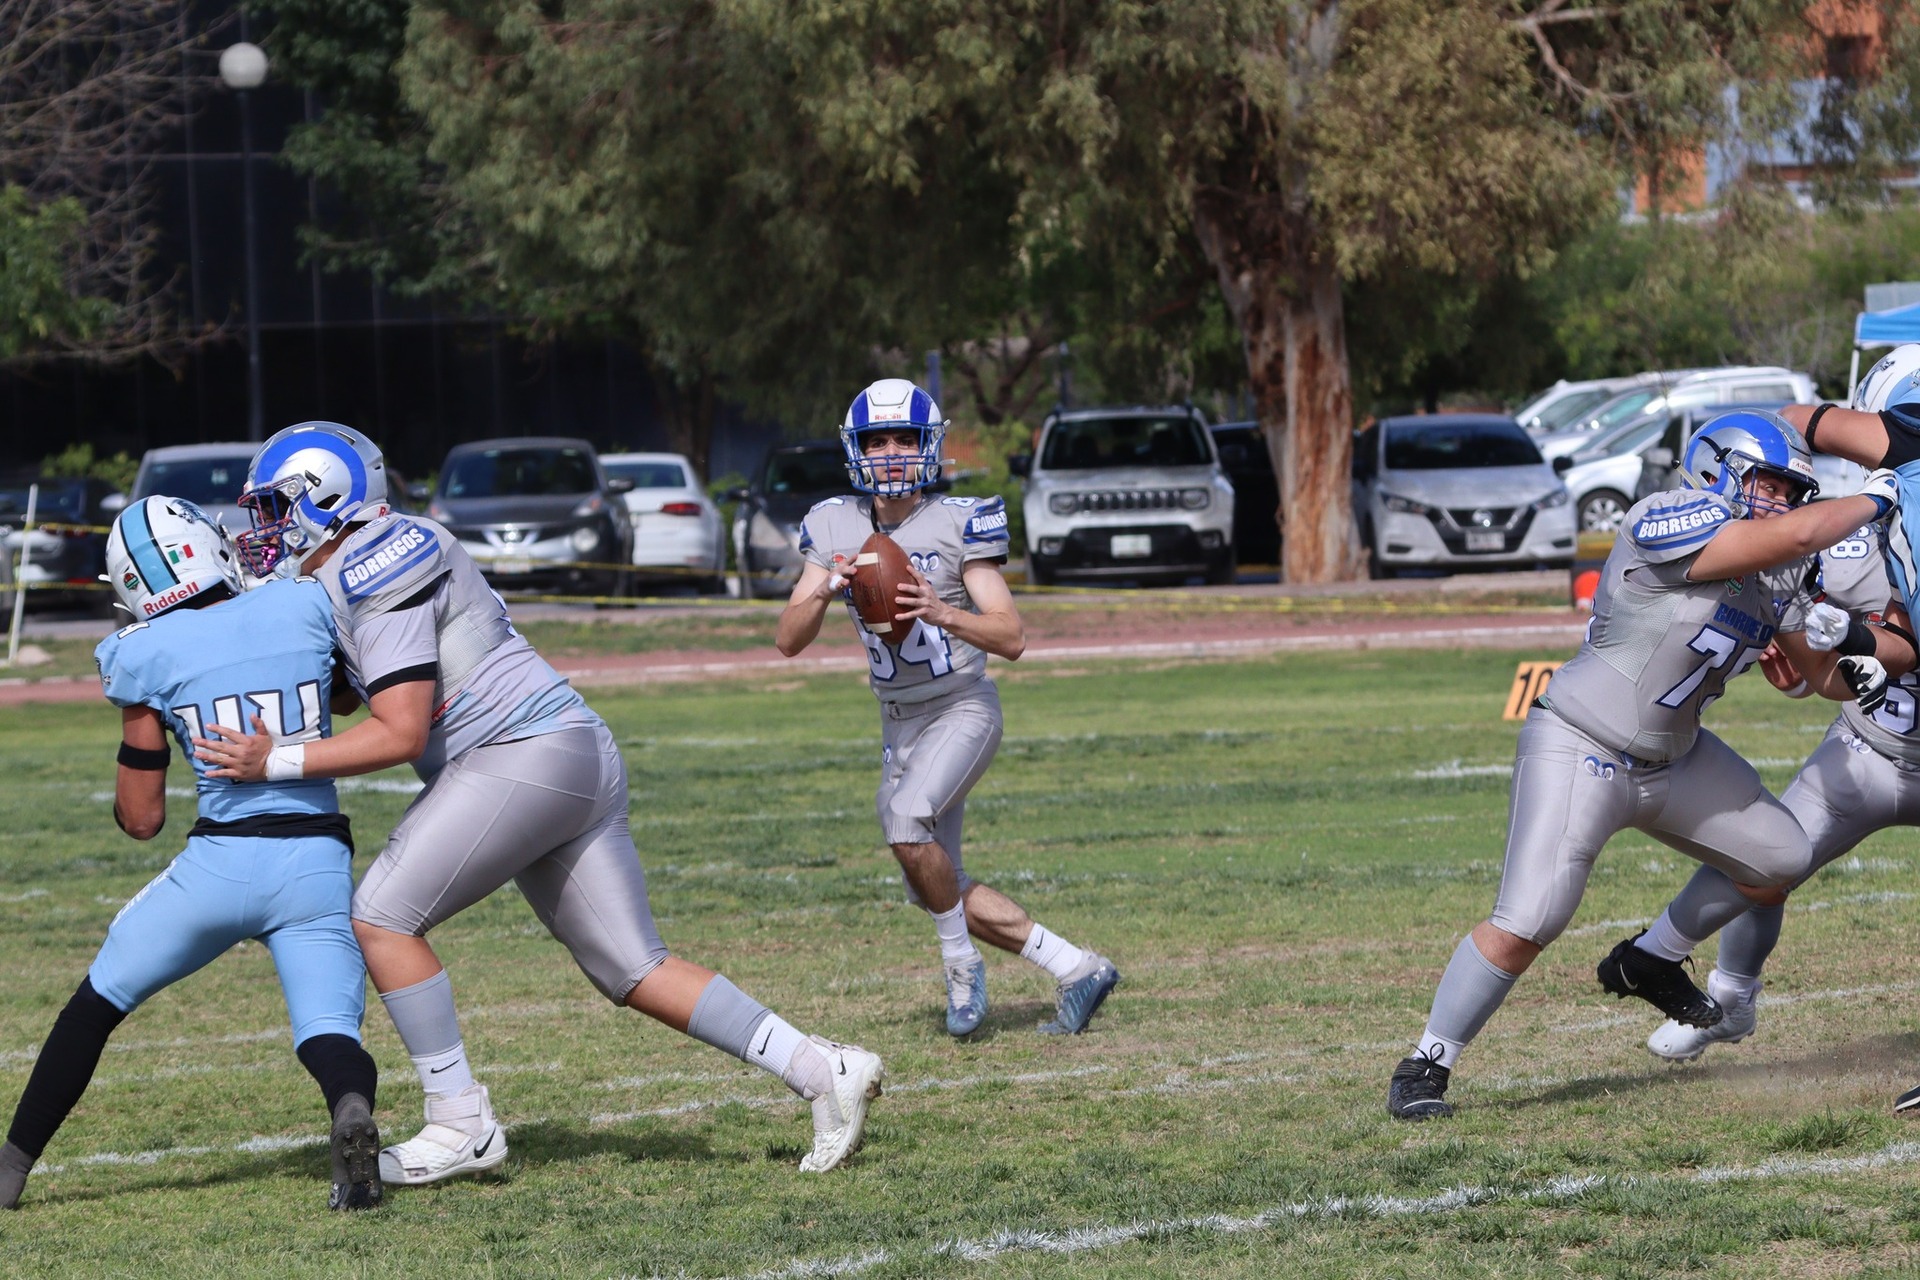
column 268, row 653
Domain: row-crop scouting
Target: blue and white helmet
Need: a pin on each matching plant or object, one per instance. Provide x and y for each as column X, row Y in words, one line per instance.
column 889, row 405
column 165, row 552
column 1895, row 379
column 1730, row 449
column 306, row 484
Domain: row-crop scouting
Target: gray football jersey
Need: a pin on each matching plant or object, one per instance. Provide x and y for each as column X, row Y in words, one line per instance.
column 410, row 604
column 1853, row 573
column 940, row 536
column 1660, row 648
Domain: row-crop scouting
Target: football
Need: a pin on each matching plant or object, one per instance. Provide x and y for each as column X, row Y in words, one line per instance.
column 881, row 569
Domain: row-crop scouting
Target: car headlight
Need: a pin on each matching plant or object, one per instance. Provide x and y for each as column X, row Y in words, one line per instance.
column 1196, row 499
column 588, row 506
column 585, row 539
column 1063, row 504
column 1394, row 502
column 1558, row 498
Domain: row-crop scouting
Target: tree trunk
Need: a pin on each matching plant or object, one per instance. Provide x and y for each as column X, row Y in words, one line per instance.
column 1316, row 458
column 688, row 411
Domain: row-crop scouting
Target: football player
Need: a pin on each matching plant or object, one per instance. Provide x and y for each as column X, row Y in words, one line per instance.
column 1698, row 584
column 524, row 783
column 1862, row 778
column 266, row 860
column 940, row 719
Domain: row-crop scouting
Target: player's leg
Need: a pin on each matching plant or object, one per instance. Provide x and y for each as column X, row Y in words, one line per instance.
column 1845, row 792
column 481, row 821
column 591, row 893
column 325, row 984
column 177, row 924
column 1568, row 797
column 1713, row 807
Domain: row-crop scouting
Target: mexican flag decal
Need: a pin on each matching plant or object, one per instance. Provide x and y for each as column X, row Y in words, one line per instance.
column 179, row 553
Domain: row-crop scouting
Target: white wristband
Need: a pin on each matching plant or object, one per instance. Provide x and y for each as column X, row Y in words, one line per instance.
column 287, row 763
column 1800, row 690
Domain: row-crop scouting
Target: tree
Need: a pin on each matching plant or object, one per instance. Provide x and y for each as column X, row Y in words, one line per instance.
column 87, row 87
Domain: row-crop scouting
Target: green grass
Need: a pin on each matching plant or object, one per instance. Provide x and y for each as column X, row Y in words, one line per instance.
column 1272, row 851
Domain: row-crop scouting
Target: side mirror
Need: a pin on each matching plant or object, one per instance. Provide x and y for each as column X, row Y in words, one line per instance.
column 1563, row 464
column 113, row 504
column 1020, row 465
column 620, row 484
column 736, row 494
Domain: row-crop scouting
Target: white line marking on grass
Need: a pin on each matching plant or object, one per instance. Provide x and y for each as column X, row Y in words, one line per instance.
column 930, row 1084
column 1328, row 1208
column 1454, row 769
column 22, row 897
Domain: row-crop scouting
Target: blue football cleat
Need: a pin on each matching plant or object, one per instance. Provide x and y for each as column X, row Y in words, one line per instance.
column 966, row 996
column 1080, row 998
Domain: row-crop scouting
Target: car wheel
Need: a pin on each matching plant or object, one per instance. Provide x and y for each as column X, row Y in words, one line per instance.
column 1039, row 572
column 1376, row 568
column 1222, row 571
column 1602, row 511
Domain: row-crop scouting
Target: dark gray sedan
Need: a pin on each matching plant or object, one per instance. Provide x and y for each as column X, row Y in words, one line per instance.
column 537, row 513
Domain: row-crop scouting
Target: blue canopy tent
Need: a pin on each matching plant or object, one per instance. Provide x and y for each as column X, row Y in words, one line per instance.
column 1892, row 318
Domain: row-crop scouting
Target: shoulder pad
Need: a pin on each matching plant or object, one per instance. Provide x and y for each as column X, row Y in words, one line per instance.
column 986, row 520
column 108, row 655
column 1667, row 526
column 826, row 502
column 371, row 574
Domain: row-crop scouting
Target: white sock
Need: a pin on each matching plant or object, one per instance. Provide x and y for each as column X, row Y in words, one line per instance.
column 1727, row 989
column 1052, row 952
column 1442, row 1050
column 1665, row 941
column 779, row 1049
column 447, row 1071
column 955, row 946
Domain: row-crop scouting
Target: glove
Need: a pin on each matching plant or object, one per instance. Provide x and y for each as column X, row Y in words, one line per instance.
column 1883, row 486
column 1868, row 680
column 1826, row 626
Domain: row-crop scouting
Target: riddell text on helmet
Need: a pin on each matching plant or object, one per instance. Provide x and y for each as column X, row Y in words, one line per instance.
column 167, row 600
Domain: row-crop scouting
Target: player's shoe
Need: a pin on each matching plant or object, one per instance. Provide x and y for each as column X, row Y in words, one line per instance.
column 840, row 1114
column 1080, row 996
column 461, row 1137
column 1664, row 984
column 1418, row 1089
column 966, row 996
column 356, row 1156
column 1678, row 1043
column 1908, row 1101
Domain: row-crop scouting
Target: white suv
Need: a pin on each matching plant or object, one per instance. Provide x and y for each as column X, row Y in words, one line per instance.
column 1126, row 493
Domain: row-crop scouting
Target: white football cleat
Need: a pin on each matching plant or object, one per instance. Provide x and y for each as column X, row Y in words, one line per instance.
column 1677, row 1042
column 840, row 1114
column 461, row 1137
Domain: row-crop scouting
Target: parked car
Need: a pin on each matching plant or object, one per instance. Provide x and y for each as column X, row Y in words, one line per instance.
column 537, row 513
column 1256, row 491
column 210, row 476
column 1565, row 403
column 1452, row 491
column 64, row 564
column 677, row 532
column 1135, row 493
column 1697, row 389
column 1837, row 476
column 766, row 521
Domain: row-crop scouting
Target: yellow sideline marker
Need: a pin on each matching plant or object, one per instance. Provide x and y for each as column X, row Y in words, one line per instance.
column 1529, row 682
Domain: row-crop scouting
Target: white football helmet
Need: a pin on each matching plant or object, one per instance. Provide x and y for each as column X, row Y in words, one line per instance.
column 306, row 484
column 890, row 404
column 165, row 552
column 1895, row 379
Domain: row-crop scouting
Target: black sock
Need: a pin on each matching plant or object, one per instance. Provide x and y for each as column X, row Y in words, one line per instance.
column 340, row 1066
column 65, row 1066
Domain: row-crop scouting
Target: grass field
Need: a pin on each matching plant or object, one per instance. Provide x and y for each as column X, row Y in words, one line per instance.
column 1279, row 855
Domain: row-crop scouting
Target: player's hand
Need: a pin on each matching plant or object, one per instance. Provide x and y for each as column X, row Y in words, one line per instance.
column 1883, row 486
column 1868, row 680
column 837, row 580
column 1826, row 626
column 919, row 600
column 1780, row 672
column 240, row 757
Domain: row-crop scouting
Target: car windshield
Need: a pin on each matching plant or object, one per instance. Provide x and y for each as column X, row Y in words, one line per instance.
column 1094, row 444
column 1621, row 409
column 1443, row 446
column 1622, row 439
column 58, row 501
column 503, row 473
column 213, row 481
column 806, row 471
column 1567, row 410
column 649, row 475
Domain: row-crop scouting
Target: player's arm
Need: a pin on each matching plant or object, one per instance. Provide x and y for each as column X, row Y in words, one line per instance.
column 996, row 628
column 1844, row 433
column 818, row 587
column 1740, row 547
column 1819, row 668
column 140, row 783
column 399, row 719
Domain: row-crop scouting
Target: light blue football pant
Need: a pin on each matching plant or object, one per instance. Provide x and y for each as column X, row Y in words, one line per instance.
column 290, row 894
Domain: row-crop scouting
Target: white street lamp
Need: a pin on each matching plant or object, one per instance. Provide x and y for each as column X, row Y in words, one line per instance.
column 243, row 67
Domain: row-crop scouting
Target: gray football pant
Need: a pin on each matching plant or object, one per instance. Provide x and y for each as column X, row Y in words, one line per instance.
column 1844, row 793
column 1570, row 795
column 548, row 813
column 931, row 755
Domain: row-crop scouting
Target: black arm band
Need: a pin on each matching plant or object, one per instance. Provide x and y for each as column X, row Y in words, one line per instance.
column 1813, row 423
column 141, row 758
column 1858, row 642
column 406, row 675
column 1902, row 632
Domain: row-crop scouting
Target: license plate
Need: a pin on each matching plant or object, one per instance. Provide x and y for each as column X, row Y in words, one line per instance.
column 505, row 565
column 1486, row 540
column 1127, row 545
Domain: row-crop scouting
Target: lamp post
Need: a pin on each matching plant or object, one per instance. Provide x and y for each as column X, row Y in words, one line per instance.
column 243, row 67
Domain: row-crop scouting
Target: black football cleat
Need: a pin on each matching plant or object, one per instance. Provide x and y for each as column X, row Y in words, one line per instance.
column 1418, row 1089
column 1907, row 1102
column 356, row 1156
column 1664, row 984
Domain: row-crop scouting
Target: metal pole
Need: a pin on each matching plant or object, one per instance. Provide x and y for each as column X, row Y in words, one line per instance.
column 255, row 412
column 19, row 575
